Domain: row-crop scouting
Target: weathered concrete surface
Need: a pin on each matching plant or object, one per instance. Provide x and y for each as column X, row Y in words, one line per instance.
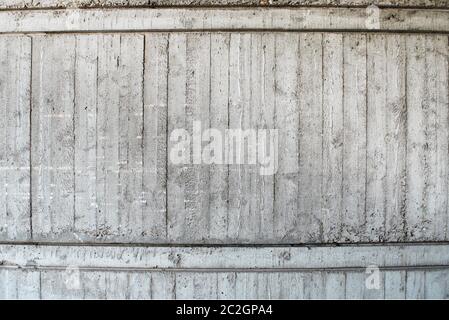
column 363, row 152
column 71, row 284
column 362, row 119
column 25, row 4
column 15, row 62
column 213, row 19
column 58, row 272
column 237, row 258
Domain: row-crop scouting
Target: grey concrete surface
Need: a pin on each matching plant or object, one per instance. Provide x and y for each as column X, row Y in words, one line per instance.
column 26, row 4
column 92, row 207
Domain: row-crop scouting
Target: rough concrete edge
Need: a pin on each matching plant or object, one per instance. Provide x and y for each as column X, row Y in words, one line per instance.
column 49, row 4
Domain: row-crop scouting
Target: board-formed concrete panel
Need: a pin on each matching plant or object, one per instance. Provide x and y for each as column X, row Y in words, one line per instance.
column 247, row 258
column 94, row 203
column 223, row 19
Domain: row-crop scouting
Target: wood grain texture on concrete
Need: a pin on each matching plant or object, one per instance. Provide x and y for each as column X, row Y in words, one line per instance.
column 166, row 285
column 37, row 4
column 362, row 154
column 107, row 285
column 222, row 19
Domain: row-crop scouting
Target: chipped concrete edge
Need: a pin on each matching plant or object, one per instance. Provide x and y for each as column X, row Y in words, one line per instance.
column 60, row 4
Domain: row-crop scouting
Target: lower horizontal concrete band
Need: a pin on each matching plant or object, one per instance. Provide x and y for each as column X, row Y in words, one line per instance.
column 392, row 257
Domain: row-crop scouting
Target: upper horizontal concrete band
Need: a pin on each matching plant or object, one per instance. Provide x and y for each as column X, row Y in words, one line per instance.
column 210, row 19
column 240, row 258
column 25, row 4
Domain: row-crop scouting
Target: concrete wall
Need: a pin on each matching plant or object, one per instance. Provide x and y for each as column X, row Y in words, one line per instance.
column 28, row 4
column 90, row 97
